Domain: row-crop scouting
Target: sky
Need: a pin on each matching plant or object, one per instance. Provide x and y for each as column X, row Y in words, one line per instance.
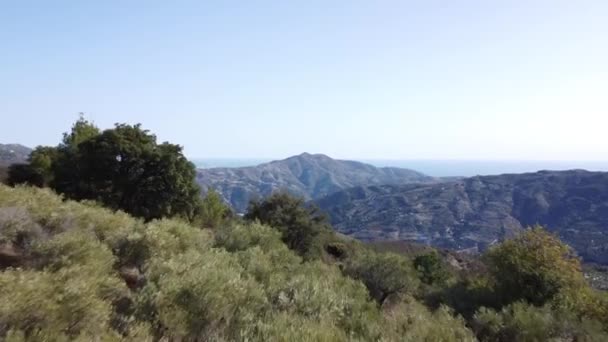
column 513, row 80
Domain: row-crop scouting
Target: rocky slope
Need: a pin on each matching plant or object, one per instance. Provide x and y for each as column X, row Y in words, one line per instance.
column 476, row 212
column 308, row 175
column 13, row 153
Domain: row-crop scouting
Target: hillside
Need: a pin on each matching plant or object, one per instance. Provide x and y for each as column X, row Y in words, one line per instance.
column 308, row 175
column 72, row 271
column 13, row 153
column 476, row 212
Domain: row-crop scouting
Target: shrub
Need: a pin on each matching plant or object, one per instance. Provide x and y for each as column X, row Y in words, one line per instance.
column 534, row 267
column 524, row 322
column 384, row 274
column 298, row 222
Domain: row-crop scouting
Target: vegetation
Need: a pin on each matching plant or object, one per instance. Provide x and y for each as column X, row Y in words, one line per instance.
column 113, row 267
column 534, row 267
column 78, row 271
column 298, row 223
column 212, row 211
column 124, row 168
column 431, row 269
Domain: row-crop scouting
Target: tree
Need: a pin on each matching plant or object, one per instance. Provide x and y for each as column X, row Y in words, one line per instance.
column 534, row 267
column 298, row 222
column 212, row 210
column 40, row 168
column 431, row 269
column 125, row 169
column 82, row 130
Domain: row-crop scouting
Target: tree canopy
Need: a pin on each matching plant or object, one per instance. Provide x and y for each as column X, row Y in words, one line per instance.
column 123, row 168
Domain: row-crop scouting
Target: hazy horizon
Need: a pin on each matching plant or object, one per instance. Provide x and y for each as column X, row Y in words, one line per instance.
column 473, row 80
column 434, row 167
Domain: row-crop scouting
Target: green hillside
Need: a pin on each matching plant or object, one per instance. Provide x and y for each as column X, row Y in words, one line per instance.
column 77, row 271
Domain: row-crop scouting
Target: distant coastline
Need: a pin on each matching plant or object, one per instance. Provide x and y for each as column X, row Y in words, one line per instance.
column 439, row 168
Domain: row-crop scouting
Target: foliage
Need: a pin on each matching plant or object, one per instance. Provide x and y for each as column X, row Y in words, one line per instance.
column 533, row 267
column 298, row 223
column 41, row 161
column 384, row 274
column 431, row 268
column 24, row 174
column 524, row 322
column 78, row 271
column 82, row 130
column 411, row 321
column 212, row 211
column 87, row 273
column 126, row 169
column 123, row 168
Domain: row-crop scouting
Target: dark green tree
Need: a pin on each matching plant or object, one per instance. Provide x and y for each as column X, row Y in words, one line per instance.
column 39, row 169
column 24, row 174
column 298, row 222
column 125, row 169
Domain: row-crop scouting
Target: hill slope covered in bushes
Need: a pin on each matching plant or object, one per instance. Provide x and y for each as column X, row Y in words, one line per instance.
column 76, row 271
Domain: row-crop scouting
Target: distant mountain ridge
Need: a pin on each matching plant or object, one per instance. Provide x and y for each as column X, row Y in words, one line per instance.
column 476, row 212
column 308, row 175
column 13, row 154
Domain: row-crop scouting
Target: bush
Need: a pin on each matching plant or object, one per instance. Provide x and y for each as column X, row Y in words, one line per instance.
column 299, row 223
column 384, row 274
column 431, row 269
column 524, row 322
column 534, row 267
column 94, row 274
column 212, row 211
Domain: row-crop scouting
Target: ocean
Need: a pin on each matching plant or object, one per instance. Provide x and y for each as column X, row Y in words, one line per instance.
column 443, row 168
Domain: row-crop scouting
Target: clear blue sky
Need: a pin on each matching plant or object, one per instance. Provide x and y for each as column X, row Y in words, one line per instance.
column 353, row 79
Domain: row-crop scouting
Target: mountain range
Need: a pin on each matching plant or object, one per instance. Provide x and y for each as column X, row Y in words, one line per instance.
column 474, row 213
column 397, row 204
column 311, row 176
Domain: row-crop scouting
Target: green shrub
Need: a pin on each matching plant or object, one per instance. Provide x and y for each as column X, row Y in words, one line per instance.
column 409, row 320
column 524, row 322
column 384, row 274
column 534, row 267
column 299, row 223
column 431, row 269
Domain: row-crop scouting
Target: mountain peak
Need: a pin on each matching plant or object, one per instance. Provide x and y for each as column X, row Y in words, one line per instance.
column 13, row 153
column 307, row 155
column 308, row 175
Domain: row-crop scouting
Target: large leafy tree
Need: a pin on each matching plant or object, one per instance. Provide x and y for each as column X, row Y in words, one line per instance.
column 124, row 168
